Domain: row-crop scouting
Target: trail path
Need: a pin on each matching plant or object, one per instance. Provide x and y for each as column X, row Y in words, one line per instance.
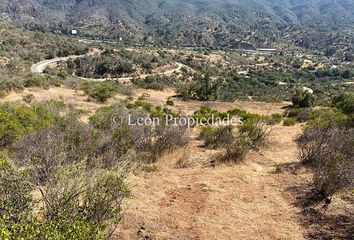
column 245, row 201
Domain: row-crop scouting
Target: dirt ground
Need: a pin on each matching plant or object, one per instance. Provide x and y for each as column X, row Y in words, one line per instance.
column 158, row 98
column 244, row 201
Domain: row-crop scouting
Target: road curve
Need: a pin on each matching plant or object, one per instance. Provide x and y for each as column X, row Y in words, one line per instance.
column 38, row 68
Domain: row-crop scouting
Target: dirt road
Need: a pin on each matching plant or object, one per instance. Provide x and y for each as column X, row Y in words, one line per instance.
column 39, row 68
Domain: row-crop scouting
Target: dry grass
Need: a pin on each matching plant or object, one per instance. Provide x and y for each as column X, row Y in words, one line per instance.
column 191, row 201
column 247, row 200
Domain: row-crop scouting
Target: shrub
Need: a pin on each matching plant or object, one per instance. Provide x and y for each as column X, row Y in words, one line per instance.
column 147, row 142
column 77, row 204
column 329, row 151
column 170, row 102
column 184, row 160
column 169, row 138
column 8, row 85
column 289, row 122
column 15, row 191
column 299, row 114
column 42, row 81
column 16, row 121
column 237, row 150
column 274, row 119
column 251, row 135
column 345, row 102
column 205, row 115
column 101, row 91
column 215, row 137
column 102, row 119
column 256, row 131
column 68, row 141
column 18, row 220
column 303, row 99
column 328, row 117
column 28, row 98
column 250, row 117
column 95, row 195
column 236, row 112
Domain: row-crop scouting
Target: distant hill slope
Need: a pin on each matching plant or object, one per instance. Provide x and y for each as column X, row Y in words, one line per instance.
column 182, row 22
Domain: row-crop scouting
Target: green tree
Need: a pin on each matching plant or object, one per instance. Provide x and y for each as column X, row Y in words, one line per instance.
column 303, row 99
column 345, row 102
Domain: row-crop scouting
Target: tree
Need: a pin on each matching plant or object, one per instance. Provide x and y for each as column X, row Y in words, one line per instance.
column 345, row 102
column 329, row 52
column 303, row 99
column 347, row 74
column 348, row 57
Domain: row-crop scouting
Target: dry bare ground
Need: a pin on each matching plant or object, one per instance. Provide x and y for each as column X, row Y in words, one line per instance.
column 78, row 100
column 245, row 201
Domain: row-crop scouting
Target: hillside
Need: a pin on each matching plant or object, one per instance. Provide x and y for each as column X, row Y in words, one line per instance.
column 103, row 140
column 184, row 23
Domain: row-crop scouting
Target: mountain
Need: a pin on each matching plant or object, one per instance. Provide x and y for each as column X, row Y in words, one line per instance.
column 210, row 23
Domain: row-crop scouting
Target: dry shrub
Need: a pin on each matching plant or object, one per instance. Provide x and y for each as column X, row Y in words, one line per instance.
column 256, row 132
column 169, row 138
column 330, row 153
column 184, row 160
column 68, row 142
column 251, row 135
column 95, row 195
column 236, row 151
column 144, row 143
column 313, row 142
column 216, row 137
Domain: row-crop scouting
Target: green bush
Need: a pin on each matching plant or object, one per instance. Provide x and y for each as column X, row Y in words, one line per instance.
column 250, row 116
column 8, row 85
column 236, row 112
column 252, row 134
column 328, row 117
column 206, row 115
column 15, row 192
column 274, row 119
column 299, row 114
column 303, row 99
column 43, row 81
column 18, row 221
column 236, row 151
column 257, row 131
column 69, row 141
column 148, row 141
column 215, row 137
column 345, row 102
column 101, row 91
column 18, row 120
column 289, row 122
column 158, row 82
column 102, row 119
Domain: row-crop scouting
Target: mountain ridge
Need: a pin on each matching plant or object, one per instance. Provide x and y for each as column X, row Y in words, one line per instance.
column 184, row 22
